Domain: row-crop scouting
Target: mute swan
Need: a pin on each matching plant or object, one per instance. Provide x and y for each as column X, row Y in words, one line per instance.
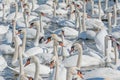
column 67, row 32
column 95, row 59
column 30, row 69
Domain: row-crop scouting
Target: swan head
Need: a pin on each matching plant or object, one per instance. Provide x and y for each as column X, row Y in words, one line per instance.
column 27, row 11
column 14, row 4
column 55, row 37
column 30, row 78
column 76, row 71
column 21, row 31
column 27, row 62
column 75, row 46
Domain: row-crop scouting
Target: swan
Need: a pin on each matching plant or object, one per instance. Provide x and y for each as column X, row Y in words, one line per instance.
column 34, row 50
column 95, row 59
column 59, row 72
column 30, row 69
column 22, row 71
column 110, row 51
column 67, row 32
column 99, row 39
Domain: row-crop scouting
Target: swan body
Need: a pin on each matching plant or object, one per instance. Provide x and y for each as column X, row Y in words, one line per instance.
column 62, row 73
column 67, row 32
column 44, row 8
column 94, row 24
column 86, row 61
column 6, row 49
column 99, row 39
column 103, row 74
column 89, row 34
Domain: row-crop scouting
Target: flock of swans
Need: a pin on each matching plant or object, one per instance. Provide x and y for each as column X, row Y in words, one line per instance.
column 50, row 41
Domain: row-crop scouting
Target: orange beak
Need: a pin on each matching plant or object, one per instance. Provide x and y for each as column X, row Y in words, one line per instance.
column 73, row 12
column 17, row 33
column 48, row 40
column 72, row 49
column 61, row 44
column 28, row 62
column 80, row 74
column 52, row 64
column 43, row 14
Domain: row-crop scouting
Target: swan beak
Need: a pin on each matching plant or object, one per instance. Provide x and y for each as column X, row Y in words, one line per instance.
column 63, row 33
column 68, row 6
column 79, row 73
column 52, row 64
column 61, row 44
column 43, row 14
column 31, row 25
column 73, row 12
column 28, row 62
column 48, row 40
column 72, row 49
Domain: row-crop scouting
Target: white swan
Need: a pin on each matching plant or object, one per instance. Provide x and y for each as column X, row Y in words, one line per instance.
column 95, row 59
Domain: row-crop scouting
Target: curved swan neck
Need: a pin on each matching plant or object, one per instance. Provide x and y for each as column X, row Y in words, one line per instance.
column 115, row 17
column 14, row 29
column 69, row 75
column 92, row 3
column 3, row 17
column 80, row 25
column 84, row 15
column 41, row 26
column 33, row 5
column 117, row 3
column 99, row 5
column 24, row 40
column 54, row 6
column 116, row 53
column 109, row 23
column 15, row 55
column 37, row 67
column 20, row 52
column 37, row 35
column 79, row 61
column 16, row 12
column 106, row 4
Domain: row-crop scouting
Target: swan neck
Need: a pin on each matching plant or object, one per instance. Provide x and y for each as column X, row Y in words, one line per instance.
column 109, row 23
column 106, row 4
column 37, row 68
column 99, row 5
column 33, row 5
column 69, row 75
column 16, row 12
column 37, row 36
column 115, row 15
column 24, row 41
column 84, row 15
column 54, row 12
column 92, row 2
column 41, row 26
column 79, row 56
column 20, row 52
column 15, row 55
column 116, row 53
column 3, row 17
